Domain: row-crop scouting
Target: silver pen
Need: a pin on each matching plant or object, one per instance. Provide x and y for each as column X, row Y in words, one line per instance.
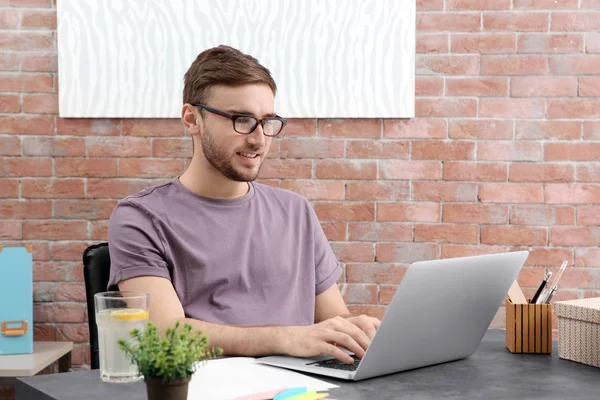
column 547, row 298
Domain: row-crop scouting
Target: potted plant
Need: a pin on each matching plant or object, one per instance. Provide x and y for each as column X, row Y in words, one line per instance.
column 167, row 363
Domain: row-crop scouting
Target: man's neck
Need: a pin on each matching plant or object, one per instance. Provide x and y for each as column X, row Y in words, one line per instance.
column 201, row 178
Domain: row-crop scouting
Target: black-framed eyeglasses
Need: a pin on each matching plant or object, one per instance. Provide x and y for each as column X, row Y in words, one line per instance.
column 246, row 124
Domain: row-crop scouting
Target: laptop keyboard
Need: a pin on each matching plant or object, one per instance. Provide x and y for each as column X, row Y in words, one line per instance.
column 337, row 364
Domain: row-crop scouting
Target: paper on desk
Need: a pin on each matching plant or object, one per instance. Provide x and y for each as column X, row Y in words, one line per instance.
column 228, row 378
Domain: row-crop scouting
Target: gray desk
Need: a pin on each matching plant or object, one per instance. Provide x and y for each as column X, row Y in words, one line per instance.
column 491, row 373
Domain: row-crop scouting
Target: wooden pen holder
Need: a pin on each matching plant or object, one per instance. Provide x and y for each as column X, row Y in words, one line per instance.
column 529, row 328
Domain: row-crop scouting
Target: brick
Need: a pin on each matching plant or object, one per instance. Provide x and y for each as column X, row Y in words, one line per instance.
column 29, row 3
column 55, row 230
column 44, row 333
column 10, row 146
column 409, row 212
column 447, row 65
column 360, row 293
column 480, row 87
column 428, row 5
column 300, row 127
column 579, row 278
column 316, row 189
column 99, row 146
column 563, row 193
column 512, row 108
column 407, row 253
column 380, row 231
column 40, row 103
column 510, row 151
column 43, row 291
column 9, row 18
column 52, row 146
column 455, row 251
column 86, row 167
column 282, row 169
column 11, row 230
column 346, row 169
column 587, row 257
column 84, row 209
column 443, row 150
column 588, row 215
column 548, row 86
column 424, row 170
column 483, row 43
column 10, row 103
column 444, row 191
column 475, row 171
column 350, row 128
column 584, row 64
column 550, row 43
column 115, row 188
column 38, row 19
column 514, row 65
column 87, row 127
column 311, row 148
column 447, row 233
column 530, row 277
column 77, row 333
column 378, row 190
column 592, row 42
column 475, row 213
column 9, row 61
column 574, row 236
column 542, row 215
column 431, row 43
column 518, row 21
column 513, row 235
column 588, row 173
column 416, row 128
column 574, row 108
column 545, row 4
column 547, row 257
column 448, row 22
column 49, row 271
column 511, row 193
column 371, row 311
column 29, row 166
column 345, row 211
column 429, row 86
column 572, row 151
column 375, row 273
column 22, row 40
column 98, row 230
column 10, row 188
column 335, row 231
column 445, row 107
column 589, row 86
column 594, row 4
column 58, row 312
column 25, row 124
column 39, row 62
column 378, row 149
column 478, row 5
column 353, row 252
column 52, row 188
column 149, row 168
column 481, row 129
column 548, row 130
column 68, row 251
column 386, row 293
column 576, row 21
column 528, row 172
column 153, row 127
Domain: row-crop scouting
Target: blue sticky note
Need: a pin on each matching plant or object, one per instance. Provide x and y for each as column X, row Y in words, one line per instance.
column 289, row 393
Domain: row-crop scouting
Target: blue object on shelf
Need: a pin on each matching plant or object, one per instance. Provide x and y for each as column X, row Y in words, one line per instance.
column 16, row 300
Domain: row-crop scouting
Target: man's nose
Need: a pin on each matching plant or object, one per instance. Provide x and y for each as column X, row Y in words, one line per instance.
column 257, row 137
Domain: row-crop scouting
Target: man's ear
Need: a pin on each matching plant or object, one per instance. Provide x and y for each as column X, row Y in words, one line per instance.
column 191, row 118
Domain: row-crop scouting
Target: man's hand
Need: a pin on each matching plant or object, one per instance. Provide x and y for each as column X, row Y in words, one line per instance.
column 353, row 334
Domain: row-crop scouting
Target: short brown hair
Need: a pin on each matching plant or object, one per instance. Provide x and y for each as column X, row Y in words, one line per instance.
column 222, row 65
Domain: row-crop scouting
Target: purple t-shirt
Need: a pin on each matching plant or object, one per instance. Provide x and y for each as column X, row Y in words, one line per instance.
column 256, row 260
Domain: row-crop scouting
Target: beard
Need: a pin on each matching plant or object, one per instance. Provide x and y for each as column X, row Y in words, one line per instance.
column 222, row 161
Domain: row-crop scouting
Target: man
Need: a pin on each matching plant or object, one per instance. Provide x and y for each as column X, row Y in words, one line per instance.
column 247, row 264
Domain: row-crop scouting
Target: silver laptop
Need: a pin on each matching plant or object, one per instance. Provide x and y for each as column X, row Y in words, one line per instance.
column 439, row 313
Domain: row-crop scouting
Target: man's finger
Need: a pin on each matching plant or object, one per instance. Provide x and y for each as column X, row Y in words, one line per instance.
column 346, row 341
column 337, row 353
column 355, row 332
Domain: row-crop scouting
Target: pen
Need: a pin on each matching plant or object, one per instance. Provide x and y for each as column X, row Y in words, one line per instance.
column 536, row 296
column 548, row 296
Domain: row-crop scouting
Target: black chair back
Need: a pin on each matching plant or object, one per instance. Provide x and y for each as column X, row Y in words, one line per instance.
column 96, row 270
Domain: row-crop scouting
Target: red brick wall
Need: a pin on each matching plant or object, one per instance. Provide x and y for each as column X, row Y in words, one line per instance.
column 503, row 155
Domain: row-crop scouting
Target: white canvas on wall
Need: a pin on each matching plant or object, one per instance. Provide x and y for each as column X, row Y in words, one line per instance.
column 329, row 58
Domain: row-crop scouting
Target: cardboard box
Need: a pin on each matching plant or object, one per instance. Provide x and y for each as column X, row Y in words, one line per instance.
column 579, row 330
column 528, row 328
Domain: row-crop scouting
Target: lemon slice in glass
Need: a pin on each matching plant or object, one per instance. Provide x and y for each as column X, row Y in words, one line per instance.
column 129, row 314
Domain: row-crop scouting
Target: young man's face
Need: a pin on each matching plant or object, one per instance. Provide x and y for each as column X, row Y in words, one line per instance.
column 237, row 156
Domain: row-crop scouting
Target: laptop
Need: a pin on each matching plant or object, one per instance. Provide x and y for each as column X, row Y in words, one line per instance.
column 439, row 313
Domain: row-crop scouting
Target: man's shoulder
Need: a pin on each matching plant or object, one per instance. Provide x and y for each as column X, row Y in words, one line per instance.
column 154, row 197
column 285, row 196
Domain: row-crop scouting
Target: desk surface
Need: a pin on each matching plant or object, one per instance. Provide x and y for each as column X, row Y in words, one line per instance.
column 44, row 354
column 491, row 373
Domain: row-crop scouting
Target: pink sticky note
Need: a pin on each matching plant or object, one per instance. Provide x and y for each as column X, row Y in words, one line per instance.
column 261, row 396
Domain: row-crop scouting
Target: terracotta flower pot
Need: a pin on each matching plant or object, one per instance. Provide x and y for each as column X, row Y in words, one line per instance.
column 176, row 389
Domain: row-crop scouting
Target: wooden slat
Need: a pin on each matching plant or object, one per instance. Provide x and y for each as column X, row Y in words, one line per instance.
column 510, row 326
column 525, row 339
column 532, row 327
column 544, row 330
column 539, row 310
column 549, row 337
column 518, row 328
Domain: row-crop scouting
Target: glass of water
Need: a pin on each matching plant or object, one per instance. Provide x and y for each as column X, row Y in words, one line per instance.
column 117, row 313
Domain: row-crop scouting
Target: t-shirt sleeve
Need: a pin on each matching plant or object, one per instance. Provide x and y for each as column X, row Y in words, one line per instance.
column 327, row 268
column 134, row 245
